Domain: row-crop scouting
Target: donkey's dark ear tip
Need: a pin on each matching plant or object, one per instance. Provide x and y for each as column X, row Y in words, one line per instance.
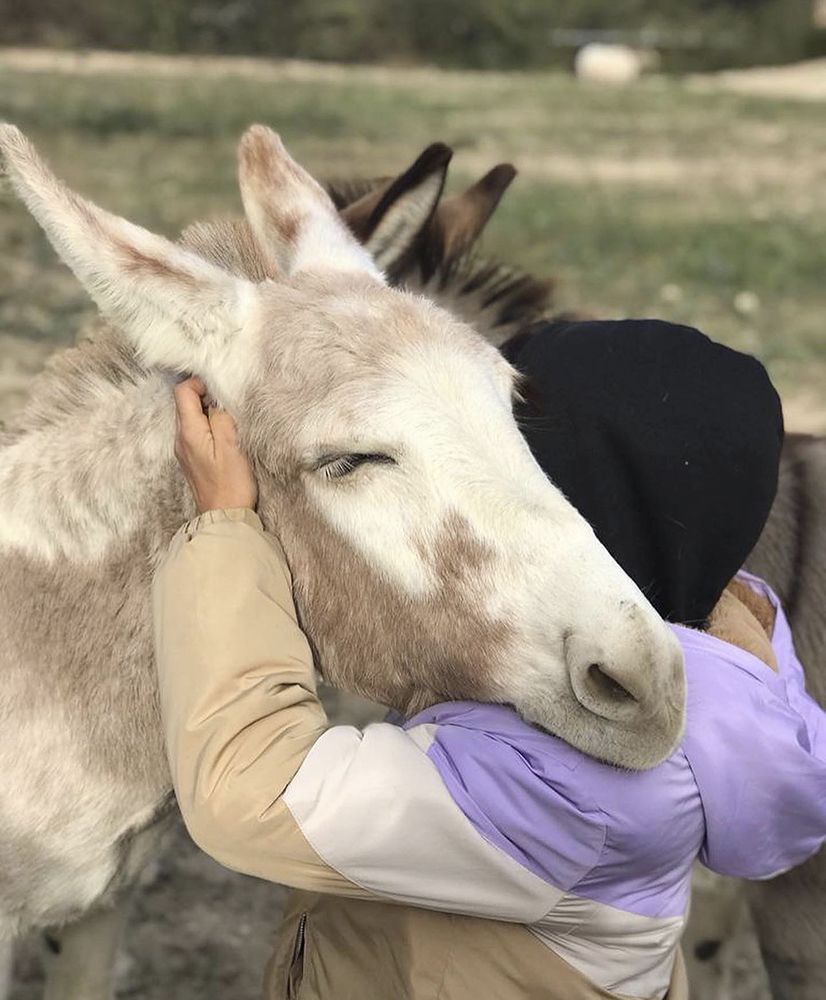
column 500, row 177
column 435, row 156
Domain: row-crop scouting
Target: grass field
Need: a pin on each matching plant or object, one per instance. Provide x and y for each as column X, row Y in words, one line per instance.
column 695, row 204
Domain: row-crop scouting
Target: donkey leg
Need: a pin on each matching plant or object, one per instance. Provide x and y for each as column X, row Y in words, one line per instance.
column 790, row 915
column 6, row 968
column 716, row 915
column 80, row 957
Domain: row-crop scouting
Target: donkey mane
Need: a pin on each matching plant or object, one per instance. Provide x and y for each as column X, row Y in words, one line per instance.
column 73, row 377
column 439, row 261
column 495, row 298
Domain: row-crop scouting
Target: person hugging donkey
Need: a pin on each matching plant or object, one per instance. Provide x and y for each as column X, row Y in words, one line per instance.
column 463, row 853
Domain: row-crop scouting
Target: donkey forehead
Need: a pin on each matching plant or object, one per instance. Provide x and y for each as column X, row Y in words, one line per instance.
column 362, row 355
column 353, row 313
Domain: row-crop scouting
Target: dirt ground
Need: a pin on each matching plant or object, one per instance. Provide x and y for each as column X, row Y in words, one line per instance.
column 198, row 932
column 801, row 81
column 804, row 81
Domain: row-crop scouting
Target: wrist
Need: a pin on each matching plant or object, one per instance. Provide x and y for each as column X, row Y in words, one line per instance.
column 225, row 515
column 225, row 503
column 224, row 497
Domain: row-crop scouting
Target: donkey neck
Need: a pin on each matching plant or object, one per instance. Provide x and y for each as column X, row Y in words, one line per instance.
column 78, row 483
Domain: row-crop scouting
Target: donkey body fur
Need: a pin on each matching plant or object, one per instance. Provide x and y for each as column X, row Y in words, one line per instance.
column 88, row 767
column 790, row 910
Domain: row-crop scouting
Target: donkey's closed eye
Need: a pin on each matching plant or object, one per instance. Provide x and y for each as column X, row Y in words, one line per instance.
column 338, row 466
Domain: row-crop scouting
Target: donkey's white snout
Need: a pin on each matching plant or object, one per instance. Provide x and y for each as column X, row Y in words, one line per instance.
column 603, row 684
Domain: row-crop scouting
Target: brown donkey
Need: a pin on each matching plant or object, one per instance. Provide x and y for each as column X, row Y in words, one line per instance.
column 382, row 433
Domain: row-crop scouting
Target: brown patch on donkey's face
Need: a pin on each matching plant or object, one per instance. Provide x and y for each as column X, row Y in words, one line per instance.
column 372, row 638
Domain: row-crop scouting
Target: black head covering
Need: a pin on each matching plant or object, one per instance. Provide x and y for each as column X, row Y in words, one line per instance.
column 666, row 442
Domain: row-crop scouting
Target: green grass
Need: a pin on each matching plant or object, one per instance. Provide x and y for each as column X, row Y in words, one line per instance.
column 656, row 200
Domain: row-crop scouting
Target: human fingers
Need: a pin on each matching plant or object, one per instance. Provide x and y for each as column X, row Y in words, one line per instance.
column 191, row 419
column 223, row 428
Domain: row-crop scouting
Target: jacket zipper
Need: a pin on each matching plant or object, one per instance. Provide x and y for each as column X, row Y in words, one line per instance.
column 296, row 971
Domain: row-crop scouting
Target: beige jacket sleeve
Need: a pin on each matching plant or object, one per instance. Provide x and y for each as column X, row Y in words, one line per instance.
column 238, row 695
column 265, row 786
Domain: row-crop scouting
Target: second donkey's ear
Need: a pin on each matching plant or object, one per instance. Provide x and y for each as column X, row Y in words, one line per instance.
column 388, row 220
column 461, row 219
column 292, row 216
column 178, row 310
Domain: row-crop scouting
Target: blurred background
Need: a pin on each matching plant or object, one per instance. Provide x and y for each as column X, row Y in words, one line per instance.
column 466, row 34
column 676, row 170
column 693, row 191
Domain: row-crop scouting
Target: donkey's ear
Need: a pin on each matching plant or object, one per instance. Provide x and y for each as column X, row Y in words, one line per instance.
column 178, row 310
column 388, row 221
column 462, row 218
column 291, row 215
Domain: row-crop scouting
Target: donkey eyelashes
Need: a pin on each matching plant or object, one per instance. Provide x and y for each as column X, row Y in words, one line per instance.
column 339, row 466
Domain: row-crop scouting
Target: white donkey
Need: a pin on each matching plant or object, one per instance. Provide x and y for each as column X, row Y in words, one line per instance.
column 432, row 558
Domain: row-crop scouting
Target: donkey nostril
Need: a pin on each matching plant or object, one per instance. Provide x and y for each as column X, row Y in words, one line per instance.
column 605, row 685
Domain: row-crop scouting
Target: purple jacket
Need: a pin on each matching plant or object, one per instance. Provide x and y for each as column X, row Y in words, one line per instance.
column 745, row 793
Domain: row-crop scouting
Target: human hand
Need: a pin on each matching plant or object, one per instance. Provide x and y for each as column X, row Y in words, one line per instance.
column 206, row 446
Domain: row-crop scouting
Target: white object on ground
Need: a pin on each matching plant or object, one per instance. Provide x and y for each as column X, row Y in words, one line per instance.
column 609, row 64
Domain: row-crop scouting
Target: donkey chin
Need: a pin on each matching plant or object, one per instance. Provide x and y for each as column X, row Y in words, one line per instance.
column 627, row 709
